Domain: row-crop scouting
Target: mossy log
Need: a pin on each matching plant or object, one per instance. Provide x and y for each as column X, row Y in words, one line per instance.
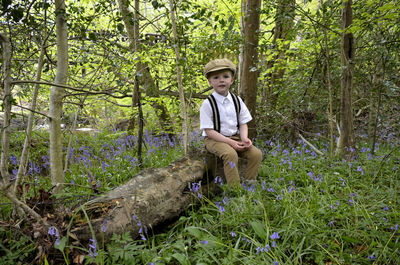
column 151, row 198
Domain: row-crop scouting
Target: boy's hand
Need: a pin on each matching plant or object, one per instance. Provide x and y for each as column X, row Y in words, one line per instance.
column 246, row 143
column 238, row 146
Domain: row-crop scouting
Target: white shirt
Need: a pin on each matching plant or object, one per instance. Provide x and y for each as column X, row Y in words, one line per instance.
column 227, row 114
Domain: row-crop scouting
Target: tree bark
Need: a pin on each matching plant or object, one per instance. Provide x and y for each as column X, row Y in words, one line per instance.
column 7, row 99
column 346, row 142
column 21, row 207
column 249, row 72
column 153, row 197
column 185, row 121
column 56, row 96
column 29, row 127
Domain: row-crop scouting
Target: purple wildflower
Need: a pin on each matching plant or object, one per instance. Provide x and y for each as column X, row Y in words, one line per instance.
column 274, row 236
column 93, row 248
column 204, row 242
column 218, row 180
column 196, row 188
column 233, row 234
column 220, row 207
column 104, row 225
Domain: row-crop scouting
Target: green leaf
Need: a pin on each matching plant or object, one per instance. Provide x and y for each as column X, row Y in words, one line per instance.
column 259, row 228
column 61, row 245
column 181, row 258
column 194, row 231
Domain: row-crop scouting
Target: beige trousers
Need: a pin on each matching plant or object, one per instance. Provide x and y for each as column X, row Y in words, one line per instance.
column 230, row 158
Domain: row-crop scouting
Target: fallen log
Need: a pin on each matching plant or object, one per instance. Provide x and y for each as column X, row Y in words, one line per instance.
column 152, row 197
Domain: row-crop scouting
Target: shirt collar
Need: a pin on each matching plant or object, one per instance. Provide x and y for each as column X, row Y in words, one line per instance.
column 221, row 98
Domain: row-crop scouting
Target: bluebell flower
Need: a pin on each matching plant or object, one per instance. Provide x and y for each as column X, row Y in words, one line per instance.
column 385, row 208
column 359, row 169
column 93, row 248
column 274, row 236
column 52, row 230
column 220, row 207
column 232, row 164
column 204, row 242
column 218, row 180
column 196, row 189
column 233, row 234
column 372, row 257
column 395, row 227
column 104, row 225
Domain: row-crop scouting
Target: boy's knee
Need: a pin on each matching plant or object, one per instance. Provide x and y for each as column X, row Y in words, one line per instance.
column 257, row 154
column 230, row 155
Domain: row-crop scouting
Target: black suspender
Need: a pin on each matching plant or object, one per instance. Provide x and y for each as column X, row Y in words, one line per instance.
column 214, row 107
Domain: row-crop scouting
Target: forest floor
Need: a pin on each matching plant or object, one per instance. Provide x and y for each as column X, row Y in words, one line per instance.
column 304, row 209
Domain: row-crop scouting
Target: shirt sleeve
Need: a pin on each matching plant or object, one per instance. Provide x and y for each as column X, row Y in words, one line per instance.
column 244, row 115
column 206, row 120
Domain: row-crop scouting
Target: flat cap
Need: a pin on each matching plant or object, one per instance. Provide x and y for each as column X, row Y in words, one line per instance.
column 219, row 64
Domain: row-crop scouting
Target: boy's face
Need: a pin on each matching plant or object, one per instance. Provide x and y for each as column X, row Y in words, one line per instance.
column 221, row 81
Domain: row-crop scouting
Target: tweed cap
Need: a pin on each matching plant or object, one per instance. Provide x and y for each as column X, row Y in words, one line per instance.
column 219, row 64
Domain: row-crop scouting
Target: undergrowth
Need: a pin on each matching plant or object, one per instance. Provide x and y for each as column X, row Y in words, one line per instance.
column 304, row 208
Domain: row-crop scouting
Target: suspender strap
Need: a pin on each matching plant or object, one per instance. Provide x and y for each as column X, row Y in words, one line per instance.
column 236, row 102
column 214, row 107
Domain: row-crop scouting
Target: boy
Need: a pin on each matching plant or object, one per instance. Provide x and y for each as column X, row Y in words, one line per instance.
column 226, row 133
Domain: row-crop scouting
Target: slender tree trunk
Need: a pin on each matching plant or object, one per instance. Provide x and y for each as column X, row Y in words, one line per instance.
column 28, row 136
column 7, row 99
column 146, row 81
column 6, row 132
column 141, row 125
column 285, row 12
column 56, row 96
column 327, row 82
column 346, row 141
column 249, row 71
column 179, row 78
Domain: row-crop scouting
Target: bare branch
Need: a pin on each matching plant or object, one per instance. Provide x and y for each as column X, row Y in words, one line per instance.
column 311, row 145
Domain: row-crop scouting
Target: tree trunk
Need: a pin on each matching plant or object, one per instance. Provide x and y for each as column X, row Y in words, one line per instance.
column 346, row 141
column 28, row 136
column 146, row 81
column 285, row 13
column 7, row 99
column 153, row 197
column 21, row 207
column 249, row 72
column 56, row 96
column 185, row 121
column 327, row 83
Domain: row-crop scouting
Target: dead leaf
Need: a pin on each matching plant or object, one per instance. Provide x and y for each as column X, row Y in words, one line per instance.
column 79, row 259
